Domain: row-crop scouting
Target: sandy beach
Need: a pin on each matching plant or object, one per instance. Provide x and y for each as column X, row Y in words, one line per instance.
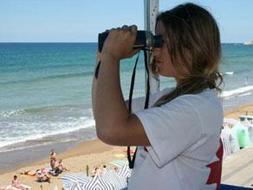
column 92, row 153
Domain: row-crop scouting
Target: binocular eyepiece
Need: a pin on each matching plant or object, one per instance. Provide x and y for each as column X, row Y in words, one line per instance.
column 144, row 40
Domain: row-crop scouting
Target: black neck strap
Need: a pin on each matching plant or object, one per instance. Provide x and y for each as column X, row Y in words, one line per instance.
column 131, row 160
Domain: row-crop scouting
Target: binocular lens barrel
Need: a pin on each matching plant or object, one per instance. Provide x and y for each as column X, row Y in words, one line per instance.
column 143, row 40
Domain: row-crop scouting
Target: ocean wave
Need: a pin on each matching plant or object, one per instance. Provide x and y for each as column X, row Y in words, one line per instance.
column 45, row 109
column 30, row 144
column 7, row 114
column 54, row 108
column 229, row 72
column 51, row 77
column 237, row 92
column 40, row 130
column 21, row 125
column 245, row 94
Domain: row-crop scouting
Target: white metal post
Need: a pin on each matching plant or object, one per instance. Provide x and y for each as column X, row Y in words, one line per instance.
column 151, row 9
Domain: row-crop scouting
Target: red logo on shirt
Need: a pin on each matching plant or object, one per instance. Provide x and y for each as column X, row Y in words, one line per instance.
column 216, row 167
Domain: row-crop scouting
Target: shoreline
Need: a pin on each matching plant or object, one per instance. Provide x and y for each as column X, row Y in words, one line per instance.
column 34, row 151
column 77, row 155
column 64, row 152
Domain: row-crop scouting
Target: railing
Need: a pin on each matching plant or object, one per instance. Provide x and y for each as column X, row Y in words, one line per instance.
column 232, row 187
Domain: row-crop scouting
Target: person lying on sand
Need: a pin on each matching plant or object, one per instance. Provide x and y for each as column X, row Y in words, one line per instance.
column 42, row 175
column 28, row 172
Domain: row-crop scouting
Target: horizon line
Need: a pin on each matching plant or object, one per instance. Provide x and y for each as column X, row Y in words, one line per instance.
column 84, row 42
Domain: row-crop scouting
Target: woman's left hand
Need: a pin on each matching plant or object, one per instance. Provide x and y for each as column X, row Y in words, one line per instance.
column 119, row 43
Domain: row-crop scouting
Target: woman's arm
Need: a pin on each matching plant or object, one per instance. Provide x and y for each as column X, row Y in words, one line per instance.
column 114, row 124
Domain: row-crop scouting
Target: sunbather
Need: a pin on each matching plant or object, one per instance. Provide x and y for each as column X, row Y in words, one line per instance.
column 42, row 175
column 28, row 172
column 16, row 184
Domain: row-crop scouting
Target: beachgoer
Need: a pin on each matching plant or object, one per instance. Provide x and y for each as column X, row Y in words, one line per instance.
column 28, row 172
column 104, row 170
column 52, row 153
column 17, row 185
column 53, row 160
column 42, row 175
column 15, row 182
column 116, row 169
column 178, row 136
column 96, row 171
column 59, row 168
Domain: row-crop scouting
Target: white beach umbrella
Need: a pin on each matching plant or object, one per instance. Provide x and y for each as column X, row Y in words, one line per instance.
column 71, row 185
column 98, row 183
column 74, row 181
column 125, row 171
column 115, row 179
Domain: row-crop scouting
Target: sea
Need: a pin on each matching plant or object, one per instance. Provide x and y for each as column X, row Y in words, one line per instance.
column 45, row 90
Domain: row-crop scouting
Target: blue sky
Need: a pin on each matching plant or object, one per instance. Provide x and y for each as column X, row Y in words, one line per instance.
column 82, row 20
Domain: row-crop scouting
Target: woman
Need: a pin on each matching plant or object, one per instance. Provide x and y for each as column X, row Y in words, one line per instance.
column 178, row 135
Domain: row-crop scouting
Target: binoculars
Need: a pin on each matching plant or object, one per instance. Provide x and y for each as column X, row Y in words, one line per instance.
column 144, row 40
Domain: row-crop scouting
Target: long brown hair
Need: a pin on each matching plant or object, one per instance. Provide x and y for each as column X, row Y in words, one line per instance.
column 194, row 43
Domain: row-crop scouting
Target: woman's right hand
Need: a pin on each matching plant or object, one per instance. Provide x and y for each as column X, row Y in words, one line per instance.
column 119, row 43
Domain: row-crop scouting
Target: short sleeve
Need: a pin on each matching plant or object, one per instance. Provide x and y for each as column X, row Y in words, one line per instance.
column 171, row 129
column 139, row 102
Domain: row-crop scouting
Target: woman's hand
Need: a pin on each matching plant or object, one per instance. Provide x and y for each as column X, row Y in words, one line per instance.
column 119, row 43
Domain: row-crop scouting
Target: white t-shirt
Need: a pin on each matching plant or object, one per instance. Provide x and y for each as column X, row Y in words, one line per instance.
column 184, row 136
